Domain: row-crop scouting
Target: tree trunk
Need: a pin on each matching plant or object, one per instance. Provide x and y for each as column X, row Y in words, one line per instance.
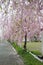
column 25, row 42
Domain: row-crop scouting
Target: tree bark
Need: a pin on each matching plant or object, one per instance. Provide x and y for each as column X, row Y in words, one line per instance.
column 25, row 42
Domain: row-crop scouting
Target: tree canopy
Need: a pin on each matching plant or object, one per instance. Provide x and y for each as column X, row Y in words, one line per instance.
column 18, row 17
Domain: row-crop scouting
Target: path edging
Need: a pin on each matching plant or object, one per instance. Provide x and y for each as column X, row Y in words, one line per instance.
column 36, row 57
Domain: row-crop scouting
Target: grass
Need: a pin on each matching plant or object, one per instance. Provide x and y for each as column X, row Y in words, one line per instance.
column 33, row 46
column 36, row 53
column 27, row 58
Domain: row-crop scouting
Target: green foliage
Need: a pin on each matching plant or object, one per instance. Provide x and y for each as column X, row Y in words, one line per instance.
column 30, row 0
column 27, row 58
column 0, row 8
column 35, row 39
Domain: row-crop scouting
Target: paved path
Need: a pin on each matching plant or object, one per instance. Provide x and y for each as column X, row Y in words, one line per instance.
column 8, row 55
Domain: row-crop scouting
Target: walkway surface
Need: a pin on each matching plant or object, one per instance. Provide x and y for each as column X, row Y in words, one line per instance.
column 8, row 55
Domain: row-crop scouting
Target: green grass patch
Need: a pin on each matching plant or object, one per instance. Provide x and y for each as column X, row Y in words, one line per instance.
column 33, row 46
column 36, row 53
column 27, row 58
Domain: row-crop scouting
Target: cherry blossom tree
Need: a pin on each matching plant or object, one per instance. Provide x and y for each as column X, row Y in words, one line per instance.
column 21, row 19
